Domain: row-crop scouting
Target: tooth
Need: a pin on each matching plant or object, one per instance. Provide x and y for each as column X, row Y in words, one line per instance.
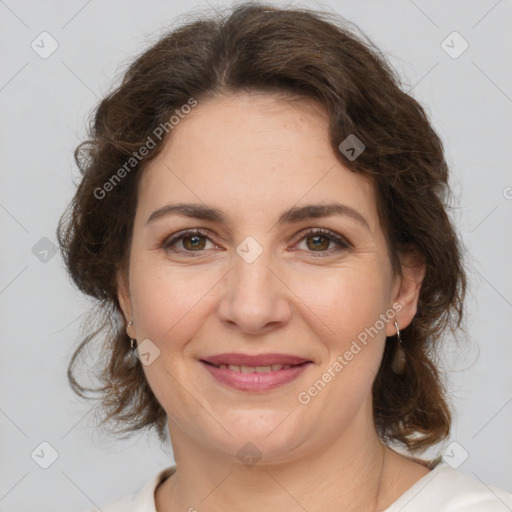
column 263, row 369
column 255, row 369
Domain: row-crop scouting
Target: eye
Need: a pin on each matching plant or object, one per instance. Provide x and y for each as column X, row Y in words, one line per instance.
column 319, row 240
column 191, row 241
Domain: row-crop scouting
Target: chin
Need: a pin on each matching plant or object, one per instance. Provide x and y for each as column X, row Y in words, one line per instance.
column 269, row 438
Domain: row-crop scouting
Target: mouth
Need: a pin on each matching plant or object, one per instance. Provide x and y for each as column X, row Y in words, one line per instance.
column 255, row 373
column 255, row 369
column 254, row 360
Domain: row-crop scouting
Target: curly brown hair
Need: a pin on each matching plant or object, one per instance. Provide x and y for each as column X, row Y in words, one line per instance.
column 303, row 54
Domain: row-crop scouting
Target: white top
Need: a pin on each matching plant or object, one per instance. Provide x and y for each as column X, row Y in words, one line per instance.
column 442, row 490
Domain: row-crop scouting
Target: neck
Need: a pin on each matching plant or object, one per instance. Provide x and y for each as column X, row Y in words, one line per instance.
column 350, row 473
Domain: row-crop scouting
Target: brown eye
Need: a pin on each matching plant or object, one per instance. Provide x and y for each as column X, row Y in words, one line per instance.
column 318, row 242
column 191, row 241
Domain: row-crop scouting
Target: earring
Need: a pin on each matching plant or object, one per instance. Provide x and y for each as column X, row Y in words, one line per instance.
column 398, row 364
column 397, row 332
column 133, row 343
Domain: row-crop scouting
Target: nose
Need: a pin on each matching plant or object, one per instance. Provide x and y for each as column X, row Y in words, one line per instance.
column 255, row 297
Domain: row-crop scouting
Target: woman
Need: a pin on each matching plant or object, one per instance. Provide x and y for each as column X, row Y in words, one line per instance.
column 262, row 219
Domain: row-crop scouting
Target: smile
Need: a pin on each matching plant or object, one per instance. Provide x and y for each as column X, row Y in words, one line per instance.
column 255, row 369
column 255, row 378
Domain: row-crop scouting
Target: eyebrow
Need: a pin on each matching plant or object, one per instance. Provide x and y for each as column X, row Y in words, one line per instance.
column 291, row 216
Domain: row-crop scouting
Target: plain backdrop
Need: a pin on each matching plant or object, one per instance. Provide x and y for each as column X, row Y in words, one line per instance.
column 45, row 101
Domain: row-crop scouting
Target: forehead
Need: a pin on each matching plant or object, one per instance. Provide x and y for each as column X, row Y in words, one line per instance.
column 251, row 155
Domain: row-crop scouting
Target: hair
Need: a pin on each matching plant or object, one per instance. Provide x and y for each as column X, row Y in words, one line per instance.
column 299, row 53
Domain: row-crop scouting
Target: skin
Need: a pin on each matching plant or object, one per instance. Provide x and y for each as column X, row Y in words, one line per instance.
column 254, row 156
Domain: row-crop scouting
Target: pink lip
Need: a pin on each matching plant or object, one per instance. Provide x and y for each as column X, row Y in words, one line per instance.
column 254, row 360
column 255, row 381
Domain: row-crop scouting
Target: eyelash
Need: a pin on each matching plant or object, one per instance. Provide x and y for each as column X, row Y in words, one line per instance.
column 342, row 243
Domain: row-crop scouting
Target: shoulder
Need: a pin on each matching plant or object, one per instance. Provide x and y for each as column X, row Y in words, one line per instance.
column 445, row 489
column 141, row 501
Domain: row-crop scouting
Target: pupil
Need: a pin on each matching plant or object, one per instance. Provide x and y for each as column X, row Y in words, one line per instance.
column 194, row 241
column 317, row 242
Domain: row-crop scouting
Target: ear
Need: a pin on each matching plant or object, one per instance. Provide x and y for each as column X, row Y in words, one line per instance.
column 123, row 295
column 406, row 290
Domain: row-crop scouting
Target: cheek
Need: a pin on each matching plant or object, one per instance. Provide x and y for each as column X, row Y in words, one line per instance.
column 170, row 309
column 347, row 300
column 350, row 303
column 352, row 307
column 170, row 303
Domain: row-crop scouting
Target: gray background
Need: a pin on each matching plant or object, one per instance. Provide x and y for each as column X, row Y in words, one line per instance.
column 44, row 105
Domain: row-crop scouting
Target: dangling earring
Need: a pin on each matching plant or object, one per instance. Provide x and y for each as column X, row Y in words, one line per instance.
column 398, row 364
column 133, row 343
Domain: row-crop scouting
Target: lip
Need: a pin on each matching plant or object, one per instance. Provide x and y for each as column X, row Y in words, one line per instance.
column 254, row 360
column 255, row 382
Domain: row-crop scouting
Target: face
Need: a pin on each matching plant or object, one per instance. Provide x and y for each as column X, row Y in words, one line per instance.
column 243, row 278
